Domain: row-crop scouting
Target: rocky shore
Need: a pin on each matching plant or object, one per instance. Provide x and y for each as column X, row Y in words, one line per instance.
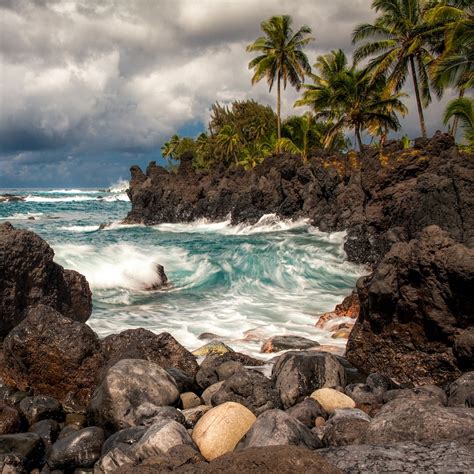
column 401, row 400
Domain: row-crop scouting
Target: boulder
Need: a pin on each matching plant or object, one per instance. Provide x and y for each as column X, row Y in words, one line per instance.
column 20, row 452
column 413, row 307
column 346, row 426
column 162, row 349
column 10, row 421
column 210, row 369
column 210, row 391
column 283, row 343
column 277, row 428
column 113, row 460
column 349, row 308
column 160, row 438
column 39, row 408
column 184, row 381
column 189, row 400
column 29, row 277
column 48, row 430
column 52, row 355
column 297, row 374
column 331, row 399
column 269, row 460
column 212, row 348
column 123, row 439
column 430, row 393
column 443, row 456
column 405, row 419
column 79, row 449
column 126, row 386
column 220, row 429
column 461, row 391
column 249, row 388
column 307, row 411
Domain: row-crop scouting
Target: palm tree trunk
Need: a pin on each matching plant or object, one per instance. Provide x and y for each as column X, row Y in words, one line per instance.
column 418, row 100
column 454, row 130
column 278, row 107
column 358, row 138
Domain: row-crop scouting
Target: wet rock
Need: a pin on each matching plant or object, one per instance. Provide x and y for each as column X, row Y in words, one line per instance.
column 220, row 429
column 160, row 438
column 40, row 408
column 269, row 460
column 28, row 277
column 208, row 336
column 76, row 419
column 349, row 308
column 297, row 374
column 444, row 456
column 342, row 333
column 148, row 414
column 162, row 279
column 419, row 420
column 461, row 391
column 346, row 426
column 212, row 348
column 412, row 306
column 126, row 386
column 80, row 449
column 282, row 343
column 7, row 197
column 47, row 429
column 193, row 415
column 52, row 355
column 123, row 439
column 189, row 400
column 10, row 421
column 228, row 369
column 184, row 381
column 208, row 372
column 429, row 393
column 162, row 349
column 249, row 388
column 331, row 399
column 277, row 428
column 307, row 412
column 20, row 452
column 111, row 462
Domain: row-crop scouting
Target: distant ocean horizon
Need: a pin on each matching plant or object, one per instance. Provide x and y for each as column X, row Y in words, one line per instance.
column 243, row 283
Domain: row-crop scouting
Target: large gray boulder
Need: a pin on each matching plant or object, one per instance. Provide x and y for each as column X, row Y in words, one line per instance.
column 126, row 386
column 346, row 426
column 461, row 391
column 277, row 428
column 298, row 374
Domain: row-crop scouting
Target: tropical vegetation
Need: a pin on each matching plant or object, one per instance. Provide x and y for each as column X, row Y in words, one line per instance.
column 431, row 41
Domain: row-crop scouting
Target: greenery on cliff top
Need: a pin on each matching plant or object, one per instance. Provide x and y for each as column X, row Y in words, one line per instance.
column 430, row 41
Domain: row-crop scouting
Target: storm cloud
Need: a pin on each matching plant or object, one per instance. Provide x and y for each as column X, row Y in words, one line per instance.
column 88, row 88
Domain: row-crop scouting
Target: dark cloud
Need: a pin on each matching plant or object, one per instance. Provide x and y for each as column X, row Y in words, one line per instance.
column 81, row 80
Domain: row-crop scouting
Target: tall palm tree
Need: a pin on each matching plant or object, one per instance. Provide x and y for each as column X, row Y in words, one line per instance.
column 282, row 57
column 455, row 65
column 400, row 44
column 463, row 109
column 350, row 98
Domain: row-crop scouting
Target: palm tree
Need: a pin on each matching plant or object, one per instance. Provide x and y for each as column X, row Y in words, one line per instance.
column 400, row 43
column 350, row 98
column 455, row 65
column 229, row 140
column 282, row 57
column 168, row 150
column 463, row 109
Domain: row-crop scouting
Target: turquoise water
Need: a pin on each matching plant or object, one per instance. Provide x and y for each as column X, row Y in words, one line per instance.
column 271, row 278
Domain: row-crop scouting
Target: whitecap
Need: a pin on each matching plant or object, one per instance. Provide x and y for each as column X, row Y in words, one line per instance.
column 119, row 187
column 80, row 228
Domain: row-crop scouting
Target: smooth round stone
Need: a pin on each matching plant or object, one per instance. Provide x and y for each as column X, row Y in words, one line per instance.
column 331, row 399
column 210, row 391
column 220, row 429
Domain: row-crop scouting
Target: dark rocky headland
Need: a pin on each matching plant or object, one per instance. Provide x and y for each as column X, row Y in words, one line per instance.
column 402, row 400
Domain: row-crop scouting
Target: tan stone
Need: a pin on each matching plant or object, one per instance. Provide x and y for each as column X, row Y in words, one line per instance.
column 341, row 334
column 213, row 347
column 331, row 399
column 189, row 400
column 220, row 429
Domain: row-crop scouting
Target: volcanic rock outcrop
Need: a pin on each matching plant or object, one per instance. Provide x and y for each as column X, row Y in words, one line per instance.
column 30, row 277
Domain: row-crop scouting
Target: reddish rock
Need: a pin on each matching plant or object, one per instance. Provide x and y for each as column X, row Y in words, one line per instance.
column 28, row 277
column 52, row 355
column 349, row 308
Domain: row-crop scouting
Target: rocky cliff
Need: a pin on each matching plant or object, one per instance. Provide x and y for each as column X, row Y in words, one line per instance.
column 379, row 198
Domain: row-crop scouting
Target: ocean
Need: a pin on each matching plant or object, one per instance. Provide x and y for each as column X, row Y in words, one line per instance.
column 243, row 283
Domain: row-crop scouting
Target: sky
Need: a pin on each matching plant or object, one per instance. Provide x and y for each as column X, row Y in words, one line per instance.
column 90, row 87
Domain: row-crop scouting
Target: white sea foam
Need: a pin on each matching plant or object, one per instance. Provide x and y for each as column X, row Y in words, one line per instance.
column 71, row 191
column 116, row 197
column 80, row 228
column 115, row 266
column 23, row 216
column 31, row 198
column 119, row 187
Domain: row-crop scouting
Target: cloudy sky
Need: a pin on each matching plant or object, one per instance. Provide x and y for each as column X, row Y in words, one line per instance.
column 90, row 87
